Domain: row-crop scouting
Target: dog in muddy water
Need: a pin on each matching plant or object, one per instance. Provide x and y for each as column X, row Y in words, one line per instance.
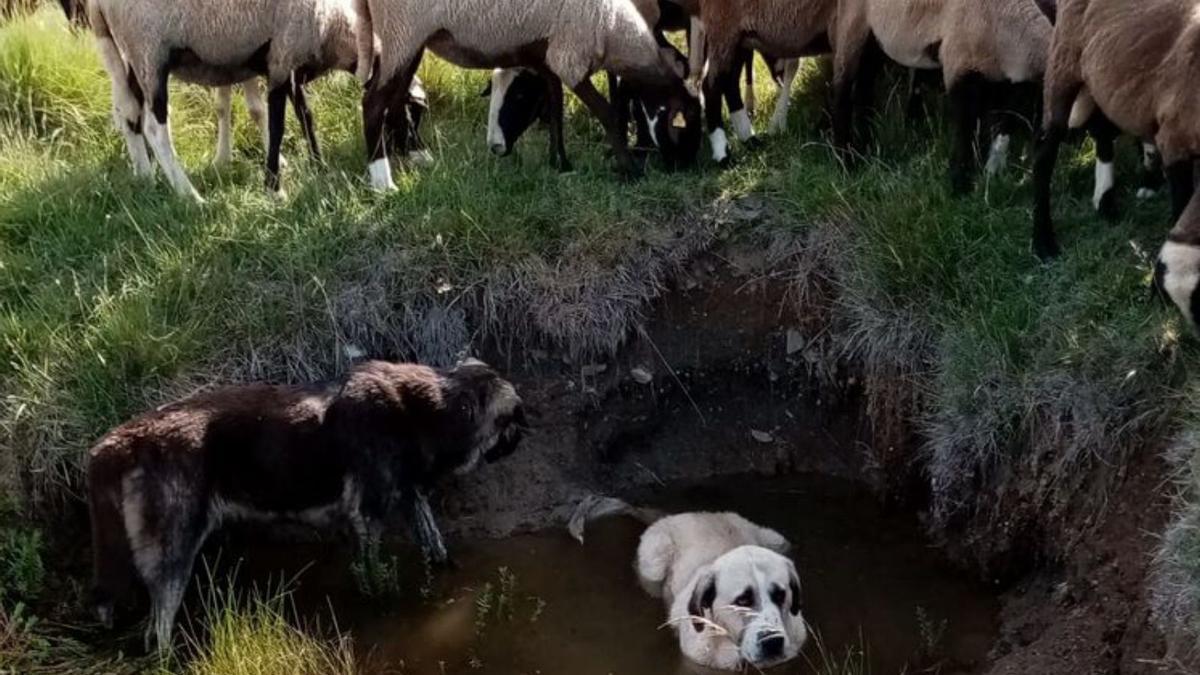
column 340, row 452
column 733, row 596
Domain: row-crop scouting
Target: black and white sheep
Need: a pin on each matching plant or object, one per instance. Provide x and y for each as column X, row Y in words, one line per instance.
column 142, row 42
column 564, row 39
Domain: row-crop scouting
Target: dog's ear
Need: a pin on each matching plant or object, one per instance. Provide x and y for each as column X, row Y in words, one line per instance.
column 703, row 596
column 794, row 587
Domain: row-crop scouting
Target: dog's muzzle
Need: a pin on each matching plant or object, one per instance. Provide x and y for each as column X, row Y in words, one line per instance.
column 771, row 644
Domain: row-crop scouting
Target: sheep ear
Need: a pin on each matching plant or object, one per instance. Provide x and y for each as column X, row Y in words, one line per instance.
column 703, row 596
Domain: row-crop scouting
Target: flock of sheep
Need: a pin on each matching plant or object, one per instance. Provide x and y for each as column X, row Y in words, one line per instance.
column 1108, row 66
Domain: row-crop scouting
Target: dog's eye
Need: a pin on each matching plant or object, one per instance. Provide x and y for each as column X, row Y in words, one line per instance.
column 778, row 596
column 746, row 599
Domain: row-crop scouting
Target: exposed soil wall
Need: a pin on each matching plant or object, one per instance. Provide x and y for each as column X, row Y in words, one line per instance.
column 728, row 374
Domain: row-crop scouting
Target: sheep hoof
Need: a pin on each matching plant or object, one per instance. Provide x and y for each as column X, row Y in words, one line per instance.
column 1146, row 193
column 777, row 126
column 420, row 157
column 753, row 143
column 1046, row 250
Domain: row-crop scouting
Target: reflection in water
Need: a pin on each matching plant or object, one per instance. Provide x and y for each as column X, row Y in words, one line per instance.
column 541, row 603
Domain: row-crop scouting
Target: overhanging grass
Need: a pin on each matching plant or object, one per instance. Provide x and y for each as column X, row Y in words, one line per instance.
column 114, row 295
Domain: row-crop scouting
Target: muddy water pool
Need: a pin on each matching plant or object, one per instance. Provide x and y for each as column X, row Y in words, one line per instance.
column 543, row 603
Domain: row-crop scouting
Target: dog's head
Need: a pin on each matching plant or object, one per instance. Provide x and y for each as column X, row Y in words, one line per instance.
column 488, row 407
column 753, row 594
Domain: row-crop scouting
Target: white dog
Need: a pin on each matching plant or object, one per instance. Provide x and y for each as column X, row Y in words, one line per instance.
column 731, row 594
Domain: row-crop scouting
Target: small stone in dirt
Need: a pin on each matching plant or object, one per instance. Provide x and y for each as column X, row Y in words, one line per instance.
column 641, row 375
column 795, row 341
column 761, row 436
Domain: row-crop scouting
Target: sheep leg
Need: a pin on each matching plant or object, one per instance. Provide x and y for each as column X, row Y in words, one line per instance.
column 378, row 94
column 400, row 137
column 305, row 117
column 224, row 126
column 966, row 94
column 1182, row 180
column 783, row 103
column 1104, row 133
column 555, row 104
column 276, row 112
column 847, row 67
column 750, row 97
column 158, row 133
column 1151, row 178
column 1062, row 87
column 739, row 110
column 602, row 111
column 128, row 105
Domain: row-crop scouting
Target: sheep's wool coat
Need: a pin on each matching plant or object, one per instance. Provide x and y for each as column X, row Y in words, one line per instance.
column 579, row 36
column 227, row 34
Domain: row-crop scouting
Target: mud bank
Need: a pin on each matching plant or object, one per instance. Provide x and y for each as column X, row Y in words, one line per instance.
column 727, row 374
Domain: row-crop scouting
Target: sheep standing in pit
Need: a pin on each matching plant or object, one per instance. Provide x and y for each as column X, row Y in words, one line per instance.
column 786, row 29
column 987, row 52
column 1137, row 65
column 567, row 39
column 141, row 42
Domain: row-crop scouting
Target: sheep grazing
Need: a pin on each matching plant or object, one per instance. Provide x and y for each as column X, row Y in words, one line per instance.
column 987, row 52
column 141, row 42
column 1136, row 66
column 566, row 39
column 519, row 96
column 786, row 29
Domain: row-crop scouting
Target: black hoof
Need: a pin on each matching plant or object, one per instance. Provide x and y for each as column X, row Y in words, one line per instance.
column 754, row 143
column 1046, row 250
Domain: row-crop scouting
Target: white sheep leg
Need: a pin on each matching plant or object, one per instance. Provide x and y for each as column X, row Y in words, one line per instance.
column 998, row 155
column 1151, row 162
column 224, row 152
column 159, row 136
column 127, row 110
column 1105, row 181
column 783, row 103
column 742, row 127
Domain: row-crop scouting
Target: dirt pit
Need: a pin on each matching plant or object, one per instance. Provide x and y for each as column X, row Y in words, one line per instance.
column 542, row 603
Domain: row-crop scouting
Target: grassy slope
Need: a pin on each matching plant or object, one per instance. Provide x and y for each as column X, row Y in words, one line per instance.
column 111, row 291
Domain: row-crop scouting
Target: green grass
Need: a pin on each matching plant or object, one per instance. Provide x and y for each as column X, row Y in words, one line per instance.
column 257, row 634
column 114, row 295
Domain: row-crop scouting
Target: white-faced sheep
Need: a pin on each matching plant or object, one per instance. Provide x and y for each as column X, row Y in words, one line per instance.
column 986, row 50
column 566, row 39
column 141, row 42
column 520, row 96
column 1137, row 65
column 787, row 29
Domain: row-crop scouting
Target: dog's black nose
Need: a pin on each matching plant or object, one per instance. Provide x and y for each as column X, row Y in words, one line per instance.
column 771, row 645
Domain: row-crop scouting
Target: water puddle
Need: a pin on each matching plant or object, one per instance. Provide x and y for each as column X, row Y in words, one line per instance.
column 541, row 603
